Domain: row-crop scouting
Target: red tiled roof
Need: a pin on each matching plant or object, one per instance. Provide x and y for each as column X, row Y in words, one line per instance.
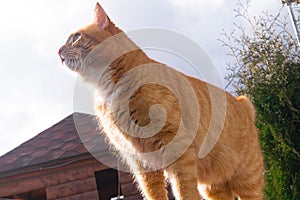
column 61, row 141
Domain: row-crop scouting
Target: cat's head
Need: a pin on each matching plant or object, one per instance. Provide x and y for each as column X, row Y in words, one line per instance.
column 83, row 41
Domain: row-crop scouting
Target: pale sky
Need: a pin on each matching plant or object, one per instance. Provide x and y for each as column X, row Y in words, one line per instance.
column 37, row 92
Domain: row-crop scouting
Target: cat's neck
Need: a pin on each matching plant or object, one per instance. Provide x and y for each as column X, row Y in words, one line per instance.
column 127, row 62
column 110, row 61
column 122, row 68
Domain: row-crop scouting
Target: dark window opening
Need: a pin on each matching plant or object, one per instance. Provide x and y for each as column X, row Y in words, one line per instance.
column 108, row 184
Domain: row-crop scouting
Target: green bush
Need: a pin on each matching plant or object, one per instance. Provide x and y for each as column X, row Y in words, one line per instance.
column 266, row 67
column 277, row 103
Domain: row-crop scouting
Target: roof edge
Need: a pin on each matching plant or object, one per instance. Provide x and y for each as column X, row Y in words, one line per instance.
column 47, row 165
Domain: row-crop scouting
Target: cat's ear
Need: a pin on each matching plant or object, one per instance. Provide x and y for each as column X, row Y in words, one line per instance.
column 100, row 18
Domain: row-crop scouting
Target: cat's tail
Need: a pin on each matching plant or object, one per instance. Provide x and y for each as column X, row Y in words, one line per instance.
column 248, row 105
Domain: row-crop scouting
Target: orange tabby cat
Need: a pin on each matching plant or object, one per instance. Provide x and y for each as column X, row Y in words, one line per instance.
column 167, row 125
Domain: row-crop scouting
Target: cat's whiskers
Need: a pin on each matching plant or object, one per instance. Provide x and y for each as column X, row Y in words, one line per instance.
column 81, row 59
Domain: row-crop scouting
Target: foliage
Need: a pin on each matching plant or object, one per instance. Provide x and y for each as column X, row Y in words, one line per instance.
column 266, row 67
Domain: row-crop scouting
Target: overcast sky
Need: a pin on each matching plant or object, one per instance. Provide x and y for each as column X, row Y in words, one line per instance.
column 36, row 92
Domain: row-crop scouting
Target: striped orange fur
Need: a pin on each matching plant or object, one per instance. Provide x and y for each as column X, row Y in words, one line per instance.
column 232, row 168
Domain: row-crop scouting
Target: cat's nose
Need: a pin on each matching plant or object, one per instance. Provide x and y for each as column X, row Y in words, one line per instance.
column 60, row 51
column 60, row 54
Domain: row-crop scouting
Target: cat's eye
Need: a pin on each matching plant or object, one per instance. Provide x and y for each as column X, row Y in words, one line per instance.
column 76, row 37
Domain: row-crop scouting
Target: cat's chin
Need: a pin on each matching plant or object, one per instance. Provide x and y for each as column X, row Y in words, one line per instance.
column 72, row 72
column 73, row 69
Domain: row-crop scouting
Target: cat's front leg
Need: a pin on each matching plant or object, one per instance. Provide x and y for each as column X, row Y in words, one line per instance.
column 152, row 184
column 183, row 176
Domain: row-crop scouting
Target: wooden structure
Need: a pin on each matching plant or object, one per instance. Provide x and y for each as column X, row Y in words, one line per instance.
column 56, row 165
